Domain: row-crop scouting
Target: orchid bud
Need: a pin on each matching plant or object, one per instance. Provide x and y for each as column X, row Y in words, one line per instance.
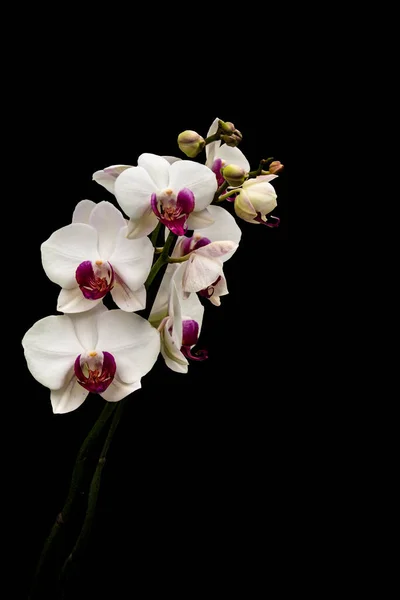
column 255, row 200
column 233, row 139
column 226, row 127
column 234, row 175
column 275, row 167
column 191, row 143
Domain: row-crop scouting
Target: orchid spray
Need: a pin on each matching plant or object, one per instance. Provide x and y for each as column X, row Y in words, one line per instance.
column 177, row 225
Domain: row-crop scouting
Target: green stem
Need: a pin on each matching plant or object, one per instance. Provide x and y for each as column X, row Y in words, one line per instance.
column 225, row 196
column 162, row 259
column 78, row 478
column 154, row 235
column 261, row 166
column 219, row 191
column 84, row 535
column 179, row 260
column 212, row 138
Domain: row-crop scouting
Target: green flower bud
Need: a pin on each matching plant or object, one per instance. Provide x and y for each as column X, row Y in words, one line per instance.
column 234, row 175
column 191, row 143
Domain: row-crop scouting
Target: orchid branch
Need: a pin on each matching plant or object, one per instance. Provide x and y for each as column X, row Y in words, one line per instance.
column 76, row 485
column 154, row 235
column 84, row 535
column 162, row 259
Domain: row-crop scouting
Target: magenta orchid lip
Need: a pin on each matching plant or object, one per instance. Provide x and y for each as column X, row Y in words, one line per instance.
column 96, row 371
column 174, row 212
column 95, row 279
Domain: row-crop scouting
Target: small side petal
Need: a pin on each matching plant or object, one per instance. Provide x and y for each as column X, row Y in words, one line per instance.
column 143, row 226
column 223, row 228
column 127, row 299
column 200, row 272
column 200, row 219
column 108, row 176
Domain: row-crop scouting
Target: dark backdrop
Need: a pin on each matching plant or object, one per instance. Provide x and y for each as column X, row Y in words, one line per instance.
column 199, row 460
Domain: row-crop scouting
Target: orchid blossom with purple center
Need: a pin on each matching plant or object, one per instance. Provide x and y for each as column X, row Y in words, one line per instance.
column 93, row 256
column 256, row 199
column 161, row 189
column 102, row 351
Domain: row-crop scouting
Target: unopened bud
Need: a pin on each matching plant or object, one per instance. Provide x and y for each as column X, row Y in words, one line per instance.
column 191, row 143
column 275, row 167
column 234, row 175
column 226, row 127
column 233, row 139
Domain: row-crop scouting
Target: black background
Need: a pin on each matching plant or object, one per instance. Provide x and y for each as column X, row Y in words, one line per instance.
column 198, row 460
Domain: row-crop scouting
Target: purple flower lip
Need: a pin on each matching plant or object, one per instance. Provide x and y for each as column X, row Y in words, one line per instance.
column 209, row 291
column 95, row 282
column 174, row 213
column 260, row 220
column 193, row 243
column 190, row 336
column 199, row 355
column 100, row 377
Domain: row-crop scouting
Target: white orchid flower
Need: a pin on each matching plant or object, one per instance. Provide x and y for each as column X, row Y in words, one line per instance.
column 180, row 328
column 209, row 248
column 255, row 199
column 219, row 156
column 176, row 194
column 101, row 351
column 93, row 256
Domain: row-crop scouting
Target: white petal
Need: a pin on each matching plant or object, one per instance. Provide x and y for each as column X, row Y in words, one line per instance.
column 170, row 351
column 213, row 147
column 65, row 249
column 132, row 259
column 73, row 301
column 69, row 397
column 82, row 211
column 216, row 250
column 127, row 299
column 108, row 176
column 200, row 219
column 133, row 190
column 219, row 290
column 171, row 159
column 132, row 341
column 193, row 309
column 200, row 272
column 233, row 156
column 223, row 228
column 160, row 307
column 198, row 178
column 143, row 226
column 260, row 179
column 51, row 347
column 118, row 389
column 157, row 167
column 107, row 220
column 85, row 325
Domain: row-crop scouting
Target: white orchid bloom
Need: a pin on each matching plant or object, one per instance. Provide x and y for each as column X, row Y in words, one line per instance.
column 180, row 327
column 219, row 156
column 255, row 199
column 92, row 256
column 101, row 351
column 176, row 194
column 209, row 248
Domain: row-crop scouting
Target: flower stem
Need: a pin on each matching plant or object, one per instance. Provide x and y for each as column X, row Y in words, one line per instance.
column 179, row 260
column 261, row 166
column 84, row 535
column 76, row 485
column 161, row 260
column 154, row 235
column 225, row 196
column 212, row 138
column 219, row 191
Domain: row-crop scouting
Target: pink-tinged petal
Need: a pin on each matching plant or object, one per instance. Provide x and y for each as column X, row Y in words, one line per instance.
column 73, row 301
column 133, row 190
column 127, row 299
column 216, row 250
column 244, row 208
column 216, row 168
column 108, row 176
column 185, row 201
column 50, row 348
column 108, row 221
column 197, row 178
column 119, row 390
column 68, row 398
column 198, row 355
column 200, row 272
column 83, row 211
column 154, row 206
column 274, row 224
column 260, row 179
column 65, row 249
column 224, row 227
column 157, row 167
